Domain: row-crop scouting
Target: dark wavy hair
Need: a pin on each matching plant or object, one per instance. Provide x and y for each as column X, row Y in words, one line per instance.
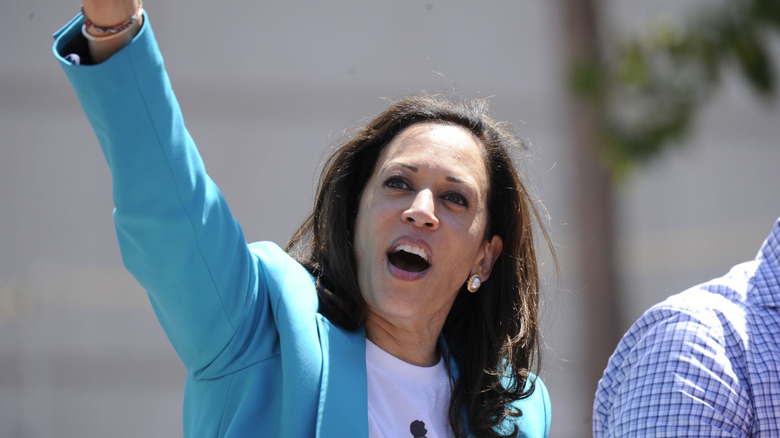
column 493, row 335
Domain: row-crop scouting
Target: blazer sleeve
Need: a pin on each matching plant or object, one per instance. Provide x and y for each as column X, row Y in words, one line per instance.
column 176, row 234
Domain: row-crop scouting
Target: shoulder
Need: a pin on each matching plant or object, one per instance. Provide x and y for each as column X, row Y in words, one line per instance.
column 710, row 315
column 270, row 254
column 714, row 310
column 536, row 409
column 684, row 354
column 288, row 283
column 275, row 260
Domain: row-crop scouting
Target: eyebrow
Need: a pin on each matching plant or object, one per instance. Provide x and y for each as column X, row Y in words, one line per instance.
column 414, row 168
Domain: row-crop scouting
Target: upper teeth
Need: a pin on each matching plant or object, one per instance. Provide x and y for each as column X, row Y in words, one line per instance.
column 416, row 250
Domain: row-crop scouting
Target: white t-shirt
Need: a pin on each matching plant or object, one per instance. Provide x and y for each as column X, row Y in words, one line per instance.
column 404, row 400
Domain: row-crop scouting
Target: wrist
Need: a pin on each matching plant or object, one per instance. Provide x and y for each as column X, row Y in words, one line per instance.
column 103, row 19
column 104, row 41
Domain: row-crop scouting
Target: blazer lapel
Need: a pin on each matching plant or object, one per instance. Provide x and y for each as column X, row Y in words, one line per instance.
column 343, row 403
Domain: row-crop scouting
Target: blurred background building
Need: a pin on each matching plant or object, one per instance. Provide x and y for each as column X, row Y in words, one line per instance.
column 265, row 89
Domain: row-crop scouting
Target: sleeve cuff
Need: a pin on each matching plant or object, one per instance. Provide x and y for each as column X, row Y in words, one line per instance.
column 70, row 47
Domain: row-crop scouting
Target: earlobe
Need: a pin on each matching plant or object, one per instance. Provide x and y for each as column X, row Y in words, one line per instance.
column 490, row 253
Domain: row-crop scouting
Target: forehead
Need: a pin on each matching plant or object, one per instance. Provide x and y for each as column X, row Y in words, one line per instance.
column 436, row 145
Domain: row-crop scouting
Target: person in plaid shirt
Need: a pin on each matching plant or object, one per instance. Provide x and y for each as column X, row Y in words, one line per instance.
column 705, row 362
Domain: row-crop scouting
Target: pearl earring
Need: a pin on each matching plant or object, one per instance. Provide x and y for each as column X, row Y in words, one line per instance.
column 473, row 283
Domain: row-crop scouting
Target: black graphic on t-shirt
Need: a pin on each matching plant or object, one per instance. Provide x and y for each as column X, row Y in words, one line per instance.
column 417, row 428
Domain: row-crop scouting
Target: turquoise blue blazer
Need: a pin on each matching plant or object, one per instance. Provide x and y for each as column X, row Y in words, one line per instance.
column 243, row 318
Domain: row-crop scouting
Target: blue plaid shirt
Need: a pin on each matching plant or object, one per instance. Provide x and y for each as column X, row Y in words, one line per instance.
column 705, row 362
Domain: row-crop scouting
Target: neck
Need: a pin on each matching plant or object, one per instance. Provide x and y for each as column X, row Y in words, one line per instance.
column 412, row 344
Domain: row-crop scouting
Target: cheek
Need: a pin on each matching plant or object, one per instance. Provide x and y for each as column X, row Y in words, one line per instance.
column 474, row 233
column 364, row 239
column 359, row 243
column 473, row 228
column 481, row 222
column 361, row 219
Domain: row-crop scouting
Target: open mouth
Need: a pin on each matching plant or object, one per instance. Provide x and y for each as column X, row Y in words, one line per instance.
column 409, row 258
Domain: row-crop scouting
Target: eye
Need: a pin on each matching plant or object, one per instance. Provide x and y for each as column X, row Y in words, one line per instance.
column 396, row 183
column 456, row 198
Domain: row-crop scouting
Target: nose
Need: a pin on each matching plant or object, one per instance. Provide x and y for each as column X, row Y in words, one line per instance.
column 421, row 212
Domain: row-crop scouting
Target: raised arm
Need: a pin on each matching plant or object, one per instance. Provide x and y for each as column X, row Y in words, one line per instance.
column 176, row 233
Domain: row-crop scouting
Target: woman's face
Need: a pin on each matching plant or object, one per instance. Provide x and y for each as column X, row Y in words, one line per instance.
column 420, row 227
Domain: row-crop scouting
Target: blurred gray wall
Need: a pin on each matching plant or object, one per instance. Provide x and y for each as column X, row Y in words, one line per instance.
column 265, row 88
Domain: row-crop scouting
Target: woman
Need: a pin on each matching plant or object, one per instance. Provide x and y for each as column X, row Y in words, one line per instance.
column 411, row 307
